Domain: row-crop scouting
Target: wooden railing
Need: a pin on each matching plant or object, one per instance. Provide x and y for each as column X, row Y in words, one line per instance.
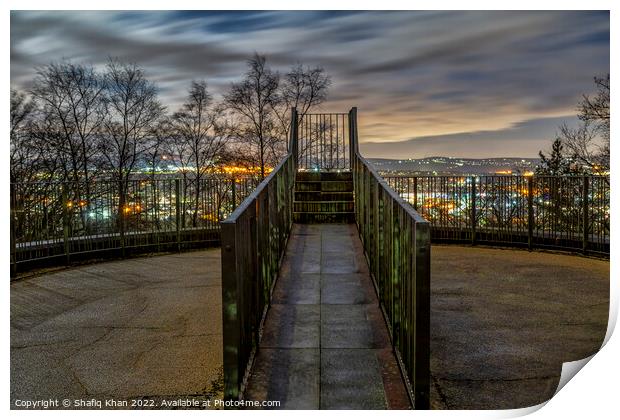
column 397, row 245
column 253, row 241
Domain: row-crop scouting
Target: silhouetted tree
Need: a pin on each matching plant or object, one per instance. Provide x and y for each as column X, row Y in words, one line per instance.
column 23, row 156
column 253, row 101
column 556, row 163
column 70, row 97
column 588, row 144
column 132, row 109
column 302, row 88
column 198, row 137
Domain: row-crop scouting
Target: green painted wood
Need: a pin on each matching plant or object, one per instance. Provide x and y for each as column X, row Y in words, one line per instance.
column 323, row 196
column 396, row 242
column 323, row 207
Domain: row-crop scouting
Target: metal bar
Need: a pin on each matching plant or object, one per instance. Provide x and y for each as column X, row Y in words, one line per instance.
column 415, row 193
column 234, row 193
column 13, row 205
column 530, row 212
column 66, row 204
column 473, row 210
column 585, row 200
column 177, row 207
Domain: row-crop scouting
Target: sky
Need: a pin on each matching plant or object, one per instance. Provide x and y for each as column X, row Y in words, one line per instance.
column 462, row 84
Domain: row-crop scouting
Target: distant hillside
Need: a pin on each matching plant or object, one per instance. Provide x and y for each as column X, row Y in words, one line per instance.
column 447, row 166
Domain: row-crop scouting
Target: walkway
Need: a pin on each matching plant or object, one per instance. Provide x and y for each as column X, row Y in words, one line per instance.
column 325, row 344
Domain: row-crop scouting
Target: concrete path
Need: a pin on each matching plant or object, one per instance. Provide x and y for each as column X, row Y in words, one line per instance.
column 143, row 328
column 325, row 344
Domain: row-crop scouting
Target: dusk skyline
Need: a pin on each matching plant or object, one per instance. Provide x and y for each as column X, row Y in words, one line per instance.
column 462, row 84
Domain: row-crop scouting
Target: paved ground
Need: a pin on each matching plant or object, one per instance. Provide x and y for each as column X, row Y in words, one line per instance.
column 145, row 327
column 503, row 321
column 325, row 344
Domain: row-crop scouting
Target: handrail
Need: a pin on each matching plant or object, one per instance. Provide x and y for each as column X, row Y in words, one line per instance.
column 396, row 242
column 253, row 241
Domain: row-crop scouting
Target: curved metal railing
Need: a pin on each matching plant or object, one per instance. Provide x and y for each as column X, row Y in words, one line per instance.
column 556, row 212
column 59, row 222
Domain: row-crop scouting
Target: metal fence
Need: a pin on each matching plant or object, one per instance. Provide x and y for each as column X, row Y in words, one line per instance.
column 323, row 143
column 397, row 244
column 568, row 212
column 64, row 221
column 254, row 238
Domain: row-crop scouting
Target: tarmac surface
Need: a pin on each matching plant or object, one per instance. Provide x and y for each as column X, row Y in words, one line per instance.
column 140, row 329
column 504, row 321
column 502, row 324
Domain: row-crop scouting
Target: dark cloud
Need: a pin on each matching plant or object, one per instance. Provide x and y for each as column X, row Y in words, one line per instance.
column 423, row 75
column 521, row 140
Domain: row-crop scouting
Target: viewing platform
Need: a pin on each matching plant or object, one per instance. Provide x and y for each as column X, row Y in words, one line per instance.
column 320, row 296
column 150, row 328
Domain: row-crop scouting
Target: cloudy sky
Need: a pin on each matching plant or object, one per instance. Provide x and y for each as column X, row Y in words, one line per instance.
column 469, row 84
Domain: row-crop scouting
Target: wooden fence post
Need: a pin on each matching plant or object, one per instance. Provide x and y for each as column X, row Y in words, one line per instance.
column 422, row 364
column 231, row 314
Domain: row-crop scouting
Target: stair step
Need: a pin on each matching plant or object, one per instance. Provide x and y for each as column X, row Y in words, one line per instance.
column 323, row 206
column 324, row 176
column 324, row 186
column 323, row 196
column 342, row 217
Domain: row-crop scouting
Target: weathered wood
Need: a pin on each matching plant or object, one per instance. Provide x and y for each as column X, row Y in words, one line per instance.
column 254, row 238
column 396, row 241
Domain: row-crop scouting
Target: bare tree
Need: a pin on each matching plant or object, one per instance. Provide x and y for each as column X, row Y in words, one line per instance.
column 22, row 155
column 596, row 110
column 71, row 97
column 158, row 145
column 132, row 108
column 302, row 88
column 33, row 157
column 199, row 136
column 589, row 143
column 253, row 101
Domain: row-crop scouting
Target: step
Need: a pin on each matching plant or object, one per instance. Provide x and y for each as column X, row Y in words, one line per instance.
column 324, row 176
column 325, row 186
column 323, row 206
column 323, row 196
column 344, row 217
